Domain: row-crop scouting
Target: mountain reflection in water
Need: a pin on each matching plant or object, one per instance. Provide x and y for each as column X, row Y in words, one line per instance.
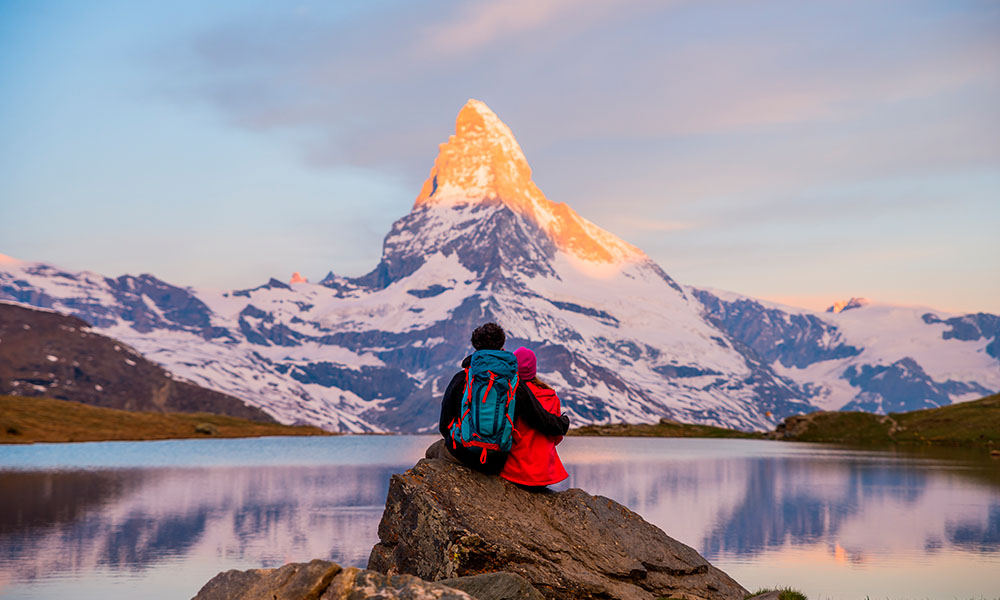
column 748, row 506
column 134, row 518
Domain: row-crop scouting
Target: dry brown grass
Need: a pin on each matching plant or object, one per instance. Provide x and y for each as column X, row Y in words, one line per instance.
column 27, row 420
column 662, row 429
column 974, row 423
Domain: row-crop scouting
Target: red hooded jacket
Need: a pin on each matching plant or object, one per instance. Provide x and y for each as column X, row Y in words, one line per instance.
column 533, row 459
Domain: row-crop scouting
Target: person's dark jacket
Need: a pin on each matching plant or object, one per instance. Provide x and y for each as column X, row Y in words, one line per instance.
column 526, row 406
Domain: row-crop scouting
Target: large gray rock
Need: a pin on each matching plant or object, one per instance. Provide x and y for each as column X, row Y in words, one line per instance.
column 442, row 521
column 322, row 580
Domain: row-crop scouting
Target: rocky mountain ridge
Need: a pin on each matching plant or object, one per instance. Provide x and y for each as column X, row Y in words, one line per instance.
column 47, row 354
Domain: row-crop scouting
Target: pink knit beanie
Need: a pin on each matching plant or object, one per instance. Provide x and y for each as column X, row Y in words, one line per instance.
column 526, row 363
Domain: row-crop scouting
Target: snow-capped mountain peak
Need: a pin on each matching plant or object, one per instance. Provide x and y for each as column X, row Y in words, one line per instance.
column 842, row 305
column 483, row 163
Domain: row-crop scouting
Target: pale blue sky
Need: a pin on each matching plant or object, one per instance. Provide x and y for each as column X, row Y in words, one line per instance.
column 786, row 150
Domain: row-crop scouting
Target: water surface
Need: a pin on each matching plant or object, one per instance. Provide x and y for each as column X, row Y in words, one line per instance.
column 158, row 519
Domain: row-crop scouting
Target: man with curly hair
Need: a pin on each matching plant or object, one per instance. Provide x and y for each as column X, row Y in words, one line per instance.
column 489, row 336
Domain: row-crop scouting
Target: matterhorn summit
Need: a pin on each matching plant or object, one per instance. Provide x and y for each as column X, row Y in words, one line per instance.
column 614, row 334
column 483, row 163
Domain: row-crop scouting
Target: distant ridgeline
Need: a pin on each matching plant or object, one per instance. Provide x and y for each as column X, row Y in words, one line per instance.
column 619, row 338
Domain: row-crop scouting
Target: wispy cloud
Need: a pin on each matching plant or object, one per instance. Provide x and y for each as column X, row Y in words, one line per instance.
column 364, row 93
column 479, row 24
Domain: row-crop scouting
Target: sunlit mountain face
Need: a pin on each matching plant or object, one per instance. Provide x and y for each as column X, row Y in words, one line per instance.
column 614, row 334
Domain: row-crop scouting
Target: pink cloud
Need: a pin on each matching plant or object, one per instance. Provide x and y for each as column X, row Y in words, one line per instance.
column 481, row 24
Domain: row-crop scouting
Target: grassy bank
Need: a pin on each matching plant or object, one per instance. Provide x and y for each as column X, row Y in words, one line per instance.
column 664, row 428
column 975, row 423
column 26, row 420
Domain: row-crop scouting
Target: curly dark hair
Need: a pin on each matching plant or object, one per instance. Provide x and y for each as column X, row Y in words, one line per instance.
column 488, row 337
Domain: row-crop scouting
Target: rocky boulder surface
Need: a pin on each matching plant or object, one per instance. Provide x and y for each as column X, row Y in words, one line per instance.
column 443, row 521
column 322, row 580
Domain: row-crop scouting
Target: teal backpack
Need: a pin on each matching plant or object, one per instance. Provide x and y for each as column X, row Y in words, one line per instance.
column 487, row 403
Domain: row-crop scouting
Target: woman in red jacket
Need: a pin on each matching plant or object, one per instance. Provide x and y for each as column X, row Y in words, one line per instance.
column 533, row 460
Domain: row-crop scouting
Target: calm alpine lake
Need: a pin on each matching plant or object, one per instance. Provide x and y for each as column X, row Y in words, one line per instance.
column 159, row 519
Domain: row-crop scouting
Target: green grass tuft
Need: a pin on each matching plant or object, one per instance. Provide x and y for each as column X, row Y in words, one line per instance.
column 975, row 423
column 783, row 593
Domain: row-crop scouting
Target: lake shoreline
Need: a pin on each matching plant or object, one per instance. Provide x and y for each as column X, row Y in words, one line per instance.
column 973, row 424
column 28, row 420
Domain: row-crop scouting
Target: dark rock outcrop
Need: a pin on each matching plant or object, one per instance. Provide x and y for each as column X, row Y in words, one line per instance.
column 901, row 387
column 795, row 340
column 322, row 580
column 971, row 327
column 443, row 521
